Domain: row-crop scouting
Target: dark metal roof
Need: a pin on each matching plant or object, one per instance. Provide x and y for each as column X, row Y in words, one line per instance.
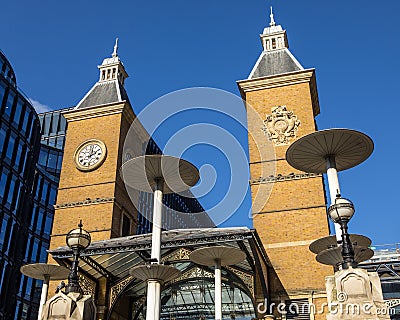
column 104, row 93
column 114, row 257
column 275, row 62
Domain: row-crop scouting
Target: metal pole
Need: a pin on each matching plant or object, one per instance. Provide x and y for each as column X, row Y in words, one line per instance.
column 334, row 189
column 218, row 290
column 153, row 299
column 347, row 248
column 154, row 285
column 157, row 220
column 73, row 278
column 43, row 297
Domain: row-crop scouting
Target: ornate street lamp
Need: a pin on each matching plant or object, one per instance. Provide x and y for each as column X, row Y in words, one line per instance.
column 341, row 212
column 77, row 240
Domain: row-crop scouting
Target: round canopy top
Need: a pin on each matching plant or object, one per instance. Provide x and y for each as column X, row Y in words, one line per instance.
column 333, row 256
column 143, row 173
column 209, row 255
column 155, row 272
column 40, row 270
column 348, row 147
column 330, row 241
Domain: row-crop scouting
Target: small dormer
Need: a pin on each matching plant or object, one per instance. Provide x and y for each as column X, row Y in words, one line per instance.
column 274, row 37
column 112, row 68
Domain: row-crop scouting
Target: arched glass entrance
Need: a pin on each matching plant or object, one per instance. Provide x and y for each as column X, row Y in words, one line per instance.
column 189, row 299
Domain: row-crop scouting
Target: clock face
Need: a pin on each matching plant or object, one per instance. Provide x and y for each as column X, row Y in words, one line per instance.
column 90, row 155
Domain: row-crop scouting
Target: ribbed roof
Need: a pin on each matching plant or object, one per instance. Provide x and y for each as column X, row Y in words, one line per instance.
column 275, row 62
column 104, row 93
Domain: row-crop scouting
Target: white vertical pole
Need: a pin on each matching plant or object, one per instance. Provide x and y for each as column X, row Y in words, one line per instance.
column 218, row 290
column 157, row 220
column 154, row 285
column 43, row 296
column 334, row 189
column 153, row 299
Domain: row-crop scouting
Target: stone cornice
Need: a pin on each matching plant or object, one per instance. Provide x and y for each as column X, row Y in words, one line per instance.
column 86, row 202
column 281, row 178
column 302, row 76
column 96, row 111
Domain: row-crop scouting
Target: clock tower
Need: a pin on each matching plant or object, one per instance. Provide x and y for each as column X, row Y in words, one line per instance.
column 284, row 95
column 90, row 187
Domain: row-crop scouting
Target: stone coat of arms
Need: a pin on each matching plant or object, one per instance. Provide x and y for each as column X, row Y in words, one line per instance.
column 281, row 125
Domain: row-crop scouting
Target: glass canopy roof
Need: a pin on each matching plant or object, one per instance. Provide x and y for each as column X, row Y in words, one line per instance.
column 192, row 294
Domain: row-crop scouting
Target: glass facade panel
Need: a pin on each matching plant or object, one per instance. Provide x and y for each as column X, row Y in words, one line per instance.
column 3, row 230
column 18, row 156
column 48, row 224
column 55, row 123
column 39, row 220
column 3, row 88
column 3, row 183
column 18, row 111
column 10, row 190
column 10, row 146
column 9, row 103
column 25, row 123
column 47, row 123
column 16, row 185
column 3, row 134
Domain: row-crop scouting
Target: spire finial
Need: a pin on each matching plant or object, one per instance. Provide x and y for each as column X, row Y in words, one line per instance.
column 272, row 23
column 115, row 53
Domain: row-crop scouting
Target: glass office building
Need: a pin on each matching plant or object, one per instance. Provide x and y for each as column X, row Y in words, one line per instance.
column 19, row 151
column 41, row 211
column 30, row 165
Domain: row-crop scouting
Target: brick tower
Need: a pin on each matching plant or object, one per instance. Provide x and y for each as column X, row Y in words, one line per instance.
column 90, row 187
column 284, row 95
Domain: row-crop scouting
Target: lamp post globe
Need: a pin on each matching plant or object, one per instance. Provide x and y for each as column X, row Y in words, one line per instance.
column 78, row 240
column 341, row 212
column 342, row 209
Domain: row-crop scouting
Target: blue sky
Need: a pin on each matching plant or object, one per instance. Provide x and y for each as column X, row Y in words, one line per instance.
column 55, row 48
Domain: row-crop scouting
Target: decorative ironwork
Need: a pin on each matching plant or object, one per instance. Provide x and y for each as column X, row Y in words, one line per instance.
column 180, row 254
column 195, row 272
column 281, row 125
column 118, row 288
column 126, row 247
column 88, row 286
column 247, row 278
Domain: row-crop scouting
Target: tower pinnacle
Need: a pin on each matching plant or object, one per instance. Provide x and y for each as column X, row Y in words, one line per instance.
column 276, row 57
column 272, row 23
column 110, row 87
column 273, row 36
column 115, row 52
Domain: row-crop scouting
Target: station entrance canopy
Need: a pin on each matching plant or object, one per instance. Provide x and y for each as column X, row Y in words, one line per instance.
column 105, row 266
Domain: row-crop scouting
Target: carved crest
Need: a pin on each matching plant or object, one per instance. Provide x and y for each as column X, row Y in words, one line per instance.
column 281, row 125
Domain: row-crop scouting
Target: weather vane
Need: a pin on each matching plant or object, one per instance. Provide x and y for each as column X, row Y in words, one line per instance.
column 115, row 53
column 272, row 23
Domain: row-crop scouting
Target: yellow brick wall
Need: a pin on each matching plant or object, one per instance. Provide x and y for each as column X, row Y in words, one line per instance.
column 102, row 220
column 294, row 214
